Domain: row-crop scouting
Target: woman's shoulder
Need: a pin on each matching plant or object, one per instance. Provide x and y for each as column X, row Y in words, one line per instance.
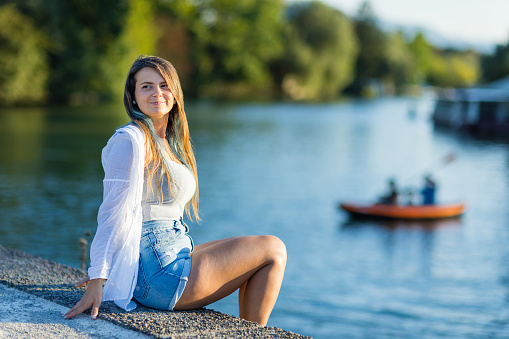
column 123, row 142
column 129, row 128
column 130, row 131
column 125, row 139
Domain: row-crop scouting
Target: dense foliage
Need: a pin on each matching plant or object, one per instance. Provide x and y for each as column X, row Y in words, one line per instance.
column 23, row 60
column 233, row 43
column 88, row 51
column 319, row 55
column 496, row 66
column 371, row 63
column 78, row 52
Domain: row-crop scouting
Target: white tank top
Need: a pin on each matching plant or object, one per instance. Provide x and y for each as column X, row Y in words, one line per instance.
column 171, row 207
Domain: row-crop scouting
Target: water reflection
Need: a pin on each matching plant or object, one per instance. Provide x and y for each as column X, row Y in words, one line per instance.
column 50, row 176
column 22, row 136
column 427, row 225
column 403, row 248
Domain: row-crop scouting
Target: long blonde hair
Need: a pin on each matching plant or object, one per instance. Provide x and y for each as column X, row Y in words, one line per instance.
column 177, row 130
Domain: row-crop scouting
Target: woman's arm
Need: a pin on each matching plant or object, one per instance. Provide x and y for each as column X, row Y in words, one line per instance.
column 111, row 219
column 117, row 163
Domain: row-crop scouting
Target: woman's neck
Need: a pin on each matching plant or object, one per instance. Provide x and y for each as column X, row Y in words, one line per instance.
column 160, row 126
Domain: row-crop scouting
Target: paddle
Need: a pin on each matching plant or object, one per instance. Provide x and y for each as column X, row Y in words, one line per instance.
column 435, row 166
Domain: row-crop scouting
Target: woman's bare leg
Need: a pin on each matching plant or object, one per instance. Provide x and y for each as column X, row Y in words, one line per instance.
column 242, row 291
column 253, row 264
column 210, row 243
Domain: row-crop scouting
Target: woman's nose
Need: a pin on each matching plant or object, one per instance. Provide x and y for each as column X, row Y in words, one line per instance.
column 157, row 91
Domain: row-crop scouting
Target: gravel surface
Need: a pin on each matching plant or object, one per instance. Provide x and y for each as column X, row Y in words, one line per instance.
column 53, row 282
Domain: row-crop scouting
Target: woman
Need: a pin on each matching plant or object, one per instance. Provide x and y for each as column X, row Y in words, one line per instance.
column 141, row 248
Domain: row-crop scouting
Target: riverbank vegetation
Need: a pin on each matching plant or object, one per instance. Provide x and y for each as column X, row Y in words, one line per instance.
column 78, row 52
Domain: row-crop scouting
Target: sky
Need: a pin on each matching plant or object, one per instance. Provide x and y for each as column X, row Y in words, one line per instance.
column 485, row 21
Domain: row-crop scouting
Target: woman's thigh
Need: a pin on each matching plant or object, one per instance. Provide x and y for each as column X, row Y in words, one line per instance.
column 221, row 267
column 210, row 243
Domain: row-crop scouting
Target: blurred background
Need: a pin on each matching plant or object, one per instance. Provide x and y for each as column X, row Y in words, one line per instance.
column 77, row 52
column 294, row 107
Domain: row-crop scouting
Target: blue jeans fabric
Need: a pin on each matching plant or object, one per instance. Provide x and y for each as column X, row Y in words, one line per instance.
column 164, row 264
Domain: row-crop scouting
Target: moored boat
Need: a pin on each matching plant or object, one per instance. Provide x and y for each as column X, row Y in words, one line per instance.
column 415, row 212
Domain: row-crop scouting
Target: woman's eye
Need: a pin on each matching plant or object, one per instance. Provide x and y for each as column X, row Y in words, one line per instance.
column 164, row 86
column 146, row 87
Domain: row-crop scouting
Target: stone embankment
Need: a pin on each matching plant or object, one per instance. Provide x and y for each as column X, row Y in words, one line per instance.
column 35, row 292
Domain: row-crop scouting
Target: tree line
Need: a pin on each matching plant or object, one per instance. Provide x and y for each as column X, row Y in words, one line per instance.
column 78, row 52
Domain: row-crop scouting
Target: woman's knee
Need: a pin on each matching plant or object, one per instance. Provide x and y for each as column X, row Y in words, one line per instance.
column 275, row 249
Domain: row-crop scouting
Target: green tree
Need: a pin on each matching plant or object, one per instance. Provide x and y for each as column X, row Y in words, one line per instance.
column 400, row 60
column 232, row 43
column 87, row 47
column 320, row 51
column 23, row 59
column 138, row 36
column 371, row 62
column 80, row 36
column 496, row 65
column 423, row 55
column 181, row 18
column 187, row 46
column 450, row 68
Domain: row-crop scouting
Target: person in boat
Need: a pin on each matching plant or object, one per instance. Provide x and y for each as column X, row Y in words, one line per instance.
column 428, row 191
column 142, row 250
column 410, row 197
column 391, row 198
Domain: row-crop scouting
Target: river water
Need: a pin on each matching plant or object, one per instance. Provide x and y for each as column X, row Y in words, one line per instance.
column 282, row 169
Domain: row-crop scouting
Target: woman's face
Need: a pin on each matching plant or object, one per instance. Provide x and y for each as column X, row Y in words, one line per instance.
column 152, row 94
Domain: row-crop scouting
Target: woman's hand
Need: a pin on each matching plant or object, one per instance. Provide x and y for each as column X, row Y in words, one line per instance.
column 92, row 298
column 82, row 283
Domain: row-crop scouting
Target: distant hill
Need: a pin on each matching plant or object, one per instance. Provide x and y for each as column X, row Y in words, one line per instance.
column 437, row 39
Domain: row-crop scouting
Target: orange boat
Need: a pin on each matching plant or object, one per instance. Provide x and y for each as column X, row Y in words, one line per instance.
column 415, row 212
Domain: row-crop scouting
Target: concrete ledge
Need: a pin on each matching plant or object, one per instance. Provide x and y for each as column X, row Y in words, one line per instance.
column 53, row 281
column 24, row 315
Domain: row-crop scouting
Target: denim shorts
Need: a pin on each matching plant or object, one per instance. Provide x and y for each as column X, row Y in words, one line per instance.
column 164, row 264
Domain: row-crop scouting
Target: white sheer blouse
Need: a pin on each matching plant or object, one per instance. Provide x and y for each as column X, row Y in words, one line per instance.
column 114, row 252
